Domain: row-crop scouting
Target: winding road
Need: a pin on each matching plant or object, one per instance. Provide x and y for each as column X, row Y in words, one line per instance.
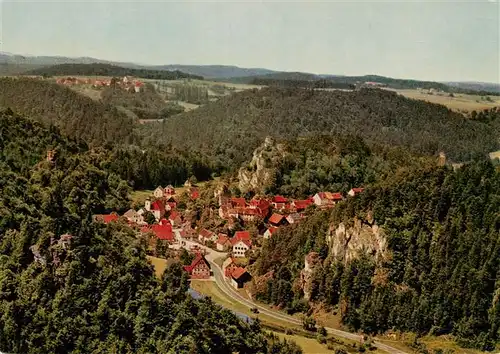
column 229, row 291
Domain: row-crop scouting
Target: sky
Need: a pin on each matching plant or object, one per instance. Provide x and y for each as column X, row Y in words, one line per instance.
column 426, row 40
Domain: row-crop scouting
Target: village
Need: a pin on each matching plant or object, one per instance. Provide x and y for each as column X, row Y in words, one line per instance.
column 127, row 83
column 160, row 220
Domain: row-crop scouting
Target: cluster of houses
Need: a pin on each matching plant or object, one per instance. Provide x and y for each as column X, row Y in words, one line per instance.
column 273, row 212
column 126, row 83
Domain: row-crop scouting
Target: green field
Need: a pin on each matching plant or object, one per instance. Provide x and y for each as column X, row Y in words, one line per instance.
column 460, row 102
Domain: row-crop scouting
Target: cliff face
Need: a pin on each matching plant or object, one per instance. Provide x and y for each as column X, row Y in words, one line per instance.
column 260, row 172
column 348, row 243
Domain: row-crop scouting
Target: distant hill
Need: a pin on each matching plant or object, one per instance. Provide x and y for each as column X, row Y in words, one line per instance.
column 76, row 115
column 216, row 71
column 103, row 69
column 346, row 80
column 233, row 127
column 476, row 86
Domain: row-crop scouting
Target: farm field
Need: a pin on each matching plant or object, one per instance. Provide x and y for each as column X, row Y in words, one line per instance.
column 460, row 102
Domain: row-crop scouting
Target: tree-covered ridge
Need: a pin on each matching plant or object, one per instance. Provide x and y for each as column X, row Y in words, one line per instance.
column 76, row 115
column 70, row 285
column 233, row 127
column 101, row 69
column 325, row 163
column 442, row 275
column 284, row 79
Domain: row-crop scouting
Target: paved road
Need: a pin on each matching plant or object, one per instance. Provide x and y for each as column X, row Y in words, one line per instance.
column 227, row 289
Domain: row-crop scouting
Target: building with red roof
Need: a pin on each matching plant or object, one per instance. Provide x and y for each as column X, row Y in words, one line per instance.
column 279, row 202
column 223, row 243
column 277, row 220
column 157, row 208
column 199, row 268
column 175, row 218
column 194, row 193
column 355, row 191
column 327, row 199
column 207, row 235
column 228, row 266
column 238, row 202
column 242, row 235
column 239, row 276
column 106, row 218
column 163, row 230
column 301, row 205
column 269, row 232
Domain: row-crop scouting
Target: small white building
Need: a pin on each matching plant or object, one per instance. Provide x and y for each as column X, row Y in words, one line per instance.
column 240, row 248
column 159, row 192
column 133, row 216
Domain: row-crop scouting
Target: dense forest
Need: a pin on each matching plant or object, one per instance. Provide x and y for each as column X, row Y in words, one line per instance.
column 76, row 115
column 326, row 163
column 108, row 130
column 230, row 129
column 71, row 285
column 317, row 83
column 441, row 275
column 100, row 69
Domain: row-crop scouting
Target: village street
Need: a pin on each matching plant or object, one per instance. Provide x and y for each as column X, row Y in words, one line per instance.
column 211, row 255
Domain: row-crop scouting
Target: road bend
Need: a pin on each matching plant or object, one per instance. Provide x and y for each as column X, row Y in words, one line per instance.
column 229, row 291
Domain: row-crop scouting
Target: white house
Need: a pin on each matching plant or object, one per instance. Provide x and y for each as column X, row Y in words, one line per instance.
column 133, row 216
column 240, row 248
column 159, row 192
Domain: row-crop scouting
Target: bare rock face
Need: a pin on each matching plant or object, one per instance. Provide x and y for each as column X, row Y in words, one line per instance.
column 365, row 237
column 310, row 262
column 260, row 172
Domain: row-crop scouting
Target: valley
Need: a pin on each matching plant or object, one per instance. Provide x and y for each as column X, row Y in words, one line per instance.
column 345, row 220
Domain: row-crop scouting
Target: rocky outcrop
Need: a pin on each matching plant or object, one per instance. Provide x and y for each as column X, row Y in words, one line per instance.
column 260, row 173
column 310, row 262
column 348, row 243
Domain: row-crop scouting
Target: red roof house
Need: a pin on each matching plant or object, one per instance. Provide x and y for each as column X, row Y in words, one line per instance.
column 194, row 193
column 228, row 266
column 301, row 205
column 239, row 277
column 223, row 242
column 279, row 202
column 277, row 220
column 206, row 235
column 199, row 268
column 355, row 191
column 242, row 235
column 238, row 202
column 269, row 232
column 325, row 199
column 163, row 231
column 106, row 218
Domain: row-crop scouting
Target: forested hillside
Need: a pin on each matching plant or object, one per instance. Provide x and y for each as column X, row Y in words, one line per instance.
column 70, row 285
column 76, row 115
column 100, row 69
column 230, row 129
column 440, row 272
column 303, row 167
